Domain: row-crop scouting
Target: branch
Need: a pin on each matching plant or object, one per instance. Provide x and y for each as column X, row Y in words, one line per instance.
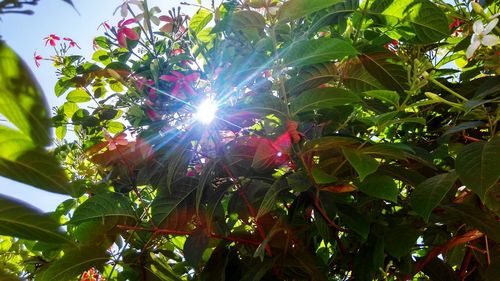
column 174, row 232
column 462, row 239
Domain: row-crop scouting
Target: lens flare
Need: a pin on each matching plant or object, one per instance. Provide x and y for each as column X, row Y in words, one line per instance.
column 205, row 112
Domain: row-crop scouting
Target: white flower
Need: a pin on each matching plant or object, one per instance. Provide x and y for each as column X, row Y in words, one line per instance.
column 481, row 36
column 124, row 7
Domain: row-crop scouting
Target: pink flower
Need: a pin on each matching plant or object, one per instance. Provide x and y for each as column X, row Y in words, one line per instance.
column 125, row 33
column 117, row 140
column 181, row 81
column 169, row 26
column 141, row 83
column 104, row 25
column 456, row 23
column 71, row 42
column 37, row 59
column 153, row 115
column 51, row 39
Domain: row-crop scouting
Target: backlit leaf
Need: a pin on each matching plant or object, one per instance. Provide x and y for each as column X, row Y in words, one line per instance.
column 73, row 264
column 22, row 220
column 78, row 95
column 427, row 21
column 295, row 9
column 105, row 206
column 322, row 98
column 307, row 52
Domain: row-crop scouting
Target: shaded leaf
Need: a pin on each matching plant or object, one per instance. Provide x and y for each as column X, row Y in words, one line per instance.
column 311, row 77
column 380, row 186
column 5, row 276
column 339, row 188
column 21, row 100
column 268, row 203
column 363, row 164
column 381, row 65
column 428, row 194
column 400, row 239
column 166, row 203
column 351, row 218
column 355, row 77
column 24, row 221
column 476, row 218
column 477, row 166
column 194, row 247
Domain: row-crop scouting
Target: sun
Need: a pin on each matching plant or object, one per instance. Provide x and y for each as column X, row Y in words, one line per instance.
column 205, row 112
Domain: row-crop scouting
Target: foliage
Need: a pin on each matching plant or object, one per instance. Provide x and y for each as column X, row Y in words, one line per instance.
column 351, row 140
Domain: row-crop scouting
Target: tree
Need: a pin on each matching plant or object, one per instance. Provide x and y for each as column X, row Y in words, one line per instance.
column 345, row 145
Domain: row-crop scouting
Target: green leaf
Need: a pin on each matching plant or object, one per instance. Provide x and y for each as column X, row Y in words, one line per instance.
column 328, row 143
column 22, row 161
column 438, row 270
column 380, row 186
column 194, row 247
column 105, row 206
column 307, row 52
column 428, row 22
column 5, row 276
column 382, row 66
column 21, row 220
column 390, row 97
column 298, row 181
column 165, row 204
column 311, row 77
column 389, row 150
column 200, row 20
column 215, row 268
column 363, row 164
column 474, row 217
column 355, row 77
column 268, row 203
column 21, row 100
column 78, row 95
column 244, row 20
column 322, row 177
column 351, row 218
column 428, row 194
column 477, row 165
column 73, row 264
column 206, row 174
column 295, row 9
column 400, row 239
column 322, row 98
column 102, row 57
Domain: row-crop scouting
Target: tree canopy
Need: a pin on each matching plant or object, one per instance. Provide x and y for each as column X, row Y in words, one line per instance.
column 261, row 140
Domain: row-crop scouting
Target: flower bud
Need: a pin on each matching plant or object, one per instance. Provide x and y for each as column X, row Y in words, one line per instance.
column 477, row 8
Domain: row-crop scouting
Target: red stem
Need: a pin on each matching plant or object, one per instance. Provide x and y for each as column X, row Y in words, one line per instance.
column 249, row 206
column 185, row 232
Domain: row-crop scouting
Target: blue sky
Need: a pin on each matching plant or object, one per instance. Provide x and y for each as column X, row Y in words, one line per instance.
column 25, row 33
